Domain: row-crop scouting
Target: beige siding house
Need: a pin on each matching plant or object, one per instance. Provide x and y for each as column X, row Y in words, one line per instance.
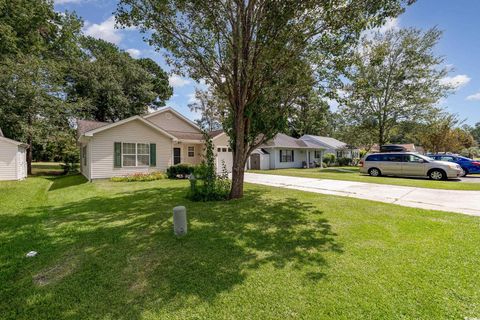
column 13, row 159
column 139, row 144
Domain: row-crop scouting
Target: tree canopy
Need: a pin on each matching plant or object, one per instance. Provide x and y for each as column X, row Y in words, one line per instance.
column 51, row 74
column 259, row 54
column 394, row 77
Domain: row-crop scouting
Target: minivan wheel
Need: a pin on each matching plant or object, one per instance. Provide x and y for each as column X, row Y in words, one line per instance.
column 374, row 172
column 437, row 175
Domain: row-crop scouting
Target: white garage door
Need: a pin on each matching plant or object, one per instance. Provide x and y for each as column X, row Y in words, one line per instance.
column 224, row 156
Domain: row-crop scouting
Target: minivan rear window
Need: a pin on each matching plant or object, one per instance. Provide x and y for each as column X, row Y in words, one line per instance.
column 393, row 157
column 375, row 157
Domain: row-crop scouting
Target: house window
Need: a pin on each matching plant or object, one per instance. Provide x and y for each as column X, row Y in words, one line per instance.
column 191, row 151
column 317, row 154
column 136, row 154
column 219, row 149
column 143, row 154
column 84, row 155
column 286, row 156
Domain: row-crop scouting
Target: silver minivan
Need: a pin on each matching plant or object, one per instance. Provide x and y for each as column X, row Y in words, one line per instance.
column 408, row 164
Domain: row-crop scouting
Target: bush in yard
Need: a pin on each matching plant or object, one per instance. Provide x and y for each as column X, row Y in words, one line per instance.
column 329, row 159
column 151, row 176
column 70, row 159
column 205, row 184
column 344, row 161
column 180, row 171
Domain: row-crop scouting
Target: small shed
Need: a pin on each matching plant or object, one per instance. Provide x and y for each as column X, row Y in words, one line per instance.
column 13, row 159
column 259, row 160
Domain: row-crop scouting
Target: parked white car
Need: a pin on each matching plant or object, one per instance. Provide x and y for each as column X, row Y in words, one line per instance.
column 408, row 164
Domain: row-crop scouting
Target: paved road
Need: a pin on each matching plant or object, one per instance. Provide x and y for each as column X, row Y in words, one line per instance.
column 474, row 178
column 466, row 202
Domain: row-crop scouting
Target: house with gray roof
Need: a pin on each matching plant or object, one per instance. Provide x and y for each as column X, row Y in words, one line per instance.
column 331, row 145
column 286, row 152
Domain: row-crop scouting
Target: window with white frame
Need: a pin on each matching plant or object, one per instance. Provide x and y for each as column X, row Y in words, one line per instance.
column 317, row 154
column 135, row 154
column 191, row 151
column 286, row 155
column 84, row 155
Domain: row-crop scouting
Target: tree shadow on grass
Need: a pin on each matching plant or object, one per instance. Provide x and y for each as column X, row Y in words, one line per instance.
column 117, row 257
column 66, row 181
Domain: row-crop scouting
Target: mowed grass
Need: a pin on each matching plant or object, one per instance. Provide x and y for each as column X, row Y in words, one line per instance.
column 106, row 250
column 353, row 174
column 46, row 168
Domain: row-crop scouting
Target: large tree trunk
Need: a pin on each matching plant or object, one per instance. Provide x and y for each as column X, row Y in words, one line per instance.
column 238, row 174
column 238, row 168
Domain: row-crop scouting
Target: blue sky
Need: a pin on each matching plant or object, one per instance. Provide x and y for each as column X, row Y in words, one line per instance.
column 460, row 45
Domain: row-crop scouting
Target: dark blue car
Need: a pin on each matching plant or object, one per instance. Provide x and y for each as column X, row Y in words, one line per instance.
column 468, row 165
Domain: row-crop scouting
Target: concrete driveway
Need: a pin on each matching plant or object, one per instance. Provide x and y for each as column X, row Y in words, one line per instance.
column 466, row 202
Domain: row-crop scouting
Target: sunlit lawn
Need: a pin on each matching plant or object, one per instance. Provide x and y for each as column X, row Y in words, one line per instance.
column 46, row 168
column 106, row 251
column 353, row 174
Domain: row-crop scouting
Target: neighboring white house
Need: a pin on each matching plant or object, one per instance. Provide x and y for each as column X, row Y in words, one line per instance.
column 338, row 148
column 13, row 159
column 142, row 144
column 285, row 152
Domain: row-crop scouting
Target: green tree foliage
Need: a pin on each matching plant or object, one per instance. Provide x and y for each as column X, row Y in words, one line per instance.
column 36, row 46
column 110, row 85
column 474, row 131
column 258, row 54
column 441, row 133
column 311, row 115
column 395, row 76
column 211, row 108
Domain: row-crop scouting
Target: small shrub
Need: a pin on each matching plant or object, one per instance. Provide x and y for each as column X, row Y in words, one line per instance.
column 344, row 161
column 180, row 171
column 151, row 176
column 329, row 159
column 71, row 162
column 205, row 184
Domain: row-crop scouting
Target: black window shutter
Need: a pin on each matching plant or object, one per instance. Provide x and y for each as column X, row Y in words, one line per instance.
column 281, row 156
column 293, row 160
column 153, row 155
column 117, row 162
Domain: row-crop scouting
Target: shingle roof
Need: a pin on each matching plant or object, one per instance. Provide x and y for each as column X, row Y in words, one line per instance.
column 328, row 142
column 88, row 125
column 215, row 133
column 181, row 135
column 283, row 141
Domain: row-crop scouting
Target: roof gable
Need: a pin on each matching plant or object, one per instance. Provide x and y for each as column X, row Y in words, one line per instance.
column 90, row 133
column 17, row 143
column 167, row 124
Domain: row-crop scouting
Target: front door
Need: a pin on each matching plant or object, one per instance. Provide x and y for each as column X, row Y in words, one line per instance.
column 176, row 156
column 413, row 166
column 391, row 164
column 255, row 161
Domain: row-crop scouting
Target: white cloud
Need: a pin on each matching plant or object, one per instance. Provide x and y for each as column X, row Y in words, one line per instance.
column 176, row 81
column 456, row 82
column 192, row 98
column 390, row 24
column 474, row 97
column 105, row 30
column 134, row 53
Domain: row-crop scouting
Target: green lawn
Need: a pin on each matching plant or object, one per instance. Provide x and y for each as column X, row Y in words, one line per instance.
column 46, row 168
column 107, row 251
column 352, row 174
